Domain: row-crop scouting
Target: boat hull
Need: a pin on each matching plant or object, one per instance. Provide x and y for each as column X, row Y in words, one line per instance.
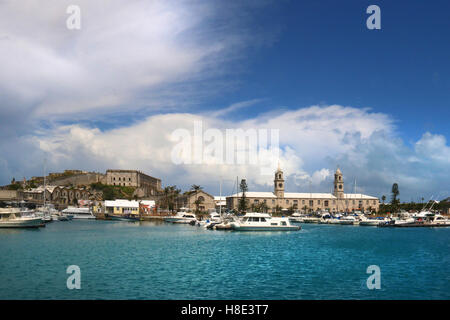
column 265, row 228
column 22, row 223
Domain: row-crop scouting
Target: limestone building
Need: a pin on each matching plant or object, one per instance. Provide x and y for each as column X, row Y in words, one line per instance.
column 338, row 201
column 133, row 178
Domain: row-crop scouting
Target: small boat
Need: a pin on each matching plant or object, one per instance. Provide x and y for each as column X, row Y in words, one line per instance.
column 311, row 220
column 78, row 213
column 256, row 221
column 12, row 218
column 183, row 218
column 296, row 217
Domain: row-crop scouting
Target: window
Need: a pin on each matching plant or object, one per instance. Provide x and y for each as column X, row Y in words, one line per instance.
column 318, row 201
column 256, row 201
column 295, row 201
column 303, row 201
column 340, row 187
column 263, row 219
column 354, row 202
column 287, row 201
column 334, row 201
column 374, row 201
column 326, row 203
column 311, row 202
column 283, row 223
column 280, row 185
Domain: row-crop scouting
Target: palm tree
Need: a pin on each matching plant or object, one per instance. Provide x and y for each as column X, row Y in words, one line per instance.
column 196, row 188
column 383, row 198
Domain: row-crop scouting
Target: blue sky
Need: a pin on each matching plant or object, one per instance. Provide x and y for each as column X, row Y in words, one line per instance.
column 324, row 54
column 375, row 102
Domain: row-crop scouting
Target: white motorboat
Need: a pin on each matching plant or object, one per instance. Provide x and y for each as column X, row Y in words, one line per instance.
column 296, row 217
column 12, row 218
column 183, row 218
column 256, row 221
column 348, row 220
column 311, row 219
column 78, row 213
column 371, row 222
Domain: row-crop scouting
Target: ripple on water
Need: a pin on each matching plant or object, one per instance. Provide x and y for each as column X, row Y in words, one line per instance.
column 121, row 260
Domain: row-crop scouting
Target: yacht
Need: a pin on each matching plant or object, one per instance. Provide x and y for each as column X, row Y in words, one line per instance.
column 348, row 220
column 12, row 218
column 263, row 222
column 183, row 218
column 296, row 217
column 372, row 222
column 78, row 213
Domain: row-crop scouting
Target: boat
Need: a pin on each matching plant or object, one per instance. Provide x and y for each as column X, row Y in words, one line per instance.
column 182, row 217
column 311, row 219
column 123, row 217
column 296, row 217
column 371, row 222
column 12, row 218
column 255, row 221
column 214, row 219
column 78, row 213
column 348, row 220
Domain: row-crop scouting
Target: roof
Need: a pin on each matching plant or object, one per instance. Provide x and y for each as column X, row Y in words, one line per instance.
column 150, row 203
column 358, row 196
column 217, row 198
column 255, row 195
column 122, row 203
column 309, row 195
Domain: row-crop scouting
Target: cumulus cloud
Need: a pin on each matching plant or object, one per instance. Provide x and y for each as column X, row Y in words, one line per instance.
column 313, row 141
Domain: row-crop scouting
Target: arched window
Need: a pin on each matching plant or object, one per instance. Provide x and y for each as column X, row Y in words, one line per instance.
column 201, row 198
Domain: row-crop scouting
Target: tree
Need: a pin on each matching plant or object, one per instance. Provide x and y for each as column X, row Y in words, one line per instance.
column 196, row 188
column 242, row 205
column 395, row 192
column 383, row 198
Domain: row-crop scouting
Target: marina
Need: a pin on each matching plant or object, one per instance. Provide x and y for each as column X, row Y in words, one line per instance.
column 157, row 260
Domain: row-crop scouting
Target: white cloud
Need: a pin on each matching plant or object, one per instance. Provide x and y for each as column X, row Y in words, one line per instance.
column 128, row 54
column 313, row 142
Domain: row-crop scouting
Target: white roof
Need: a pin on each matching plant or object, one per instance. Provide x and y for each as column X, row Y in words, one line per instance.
column 358, row 196
column 122, row 203
column 217, row 198
column 257, row 214
column 255, row 195
column 309, row 195
column 304, row 195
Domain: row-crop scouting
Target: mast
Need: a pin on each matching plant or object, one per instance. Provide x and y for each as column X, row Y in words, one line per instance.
column 45, row 181
column 220, row 198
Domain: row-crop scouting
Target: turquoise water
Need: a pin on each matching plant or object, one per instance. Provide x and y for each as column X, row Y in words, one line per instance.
column 123, row 260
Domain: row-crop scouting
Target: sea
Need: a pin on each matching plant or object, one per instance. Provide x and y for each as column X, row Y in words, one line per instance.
column 156, row 260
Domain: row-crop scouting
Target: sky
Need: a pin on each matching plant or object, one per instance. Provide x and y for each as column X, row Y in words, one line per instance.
column 110, row 95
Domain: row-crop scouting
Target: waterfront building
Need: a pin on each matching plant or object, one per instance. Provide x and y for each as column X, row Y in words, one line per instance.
column 332, row 202
column 220, row 202
column 58, row 195
column 189, row 198
column 149, row 186
column 121, row 206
